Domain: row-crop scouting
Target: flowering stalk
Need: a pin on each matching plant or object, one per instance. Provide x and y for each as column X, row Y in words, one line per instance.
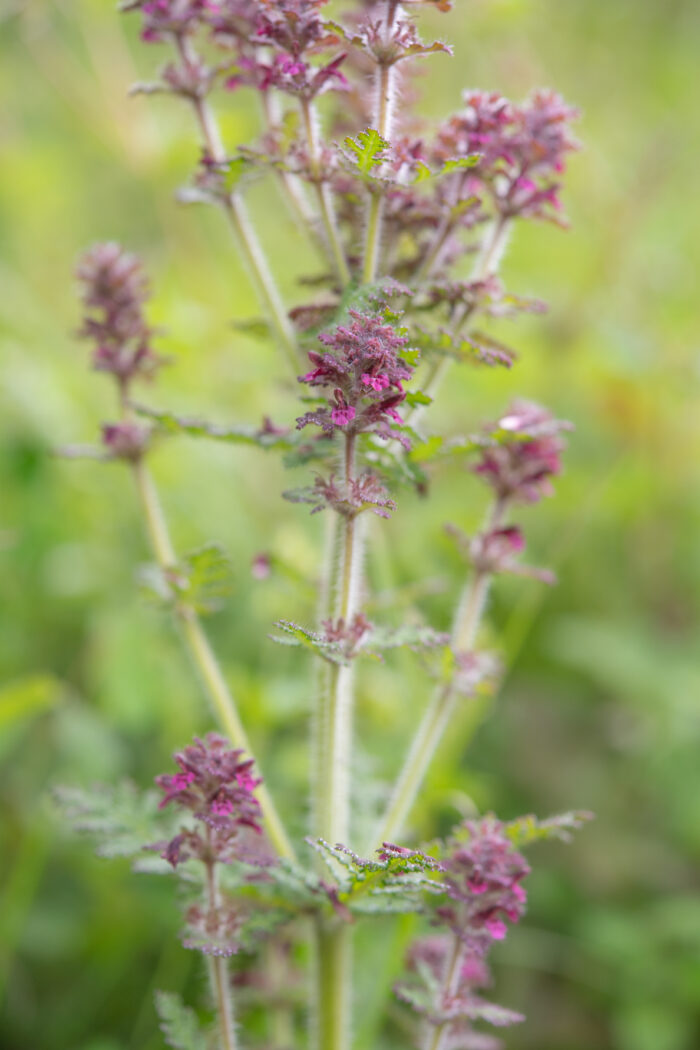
column 518, row 470
column 440, row 711
column 114, row 293
column 421, row 204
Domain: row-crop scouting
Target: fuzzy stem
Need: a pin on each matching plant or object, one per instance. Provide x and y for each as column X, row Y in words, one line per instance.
column 332, row 984
column 385, row 92
column 202, row 653
column 218, row 970
column 440, row 711
column 436, row 1039
column 325, row 202
column 333, row 968
column 237, row 214
column 332, row 804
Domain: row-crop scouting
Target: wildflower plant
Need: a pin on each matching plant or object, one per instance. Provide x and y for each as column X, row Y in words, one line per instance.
column 409, row 224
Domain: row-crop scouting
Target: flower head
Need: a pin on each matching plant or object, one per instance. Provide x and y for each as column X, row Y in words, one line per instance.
column 484, row 877
column 217, row 786
column 528, row 456
column 522, row 150
column 114, row 291
column 363, row 368
column 161, row 17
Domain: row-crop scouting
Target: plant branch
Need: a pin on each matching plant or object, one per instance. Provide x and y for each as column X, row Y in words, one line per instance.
column 331, row 804
column 202, row 653
column 218, row 969
column 325, row 203
column 440, row 711
column 384, row 110
column 237, row 213
column 436, row 1038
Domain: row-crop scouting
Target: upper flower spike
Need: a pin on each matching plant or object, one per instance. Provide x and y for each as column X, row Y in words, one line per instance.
column 115, row 289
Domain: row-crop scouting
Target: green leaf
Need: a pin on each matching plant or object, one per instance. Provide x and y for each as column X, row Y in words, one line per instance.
column 122, row 820
column 179, row 1023
column 417, row 397
column 200, row 580
column 529, row 829
column 460, row 163
column 237, row 434
column 368, row 150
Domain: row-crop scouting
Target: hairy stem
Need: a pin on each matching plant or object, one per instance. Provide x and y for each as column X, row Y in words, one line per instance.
column 333, row 746
column 332, row 987
column 384, row 110
column 436, row 1037
column 218, row 969
column 323, row 195
column 201, row 652
column 332, row 808
column 237, row 213
column 440, row 711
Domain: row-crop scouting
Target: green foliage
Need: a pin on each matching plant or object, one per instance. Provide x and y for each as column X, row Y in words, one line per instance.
column 368, row 150
column 201, row 580
column 237, row 434
column 121, row 820
column 376, row 641
column 179, row 1024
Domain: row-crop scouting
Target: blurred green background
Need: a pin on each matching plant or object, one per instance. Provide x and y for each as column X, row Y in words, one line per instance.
column 601, row 706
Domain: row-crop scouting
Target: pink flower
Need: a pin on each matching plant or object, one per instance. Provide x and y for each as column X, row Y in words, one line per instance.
column 379, row 382
column 497, row 928
column 343, row 415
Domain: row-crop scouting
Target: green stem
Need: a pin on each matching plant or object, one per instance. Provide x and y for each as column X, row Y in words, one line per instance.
column 237, row 213
column 436, row 1038
column 218, row 968
column 441, row 709
column 384, row 105
column 332, row 784
column 332, row 985
column 202, row 653
column 331, row 804
column 325, row 202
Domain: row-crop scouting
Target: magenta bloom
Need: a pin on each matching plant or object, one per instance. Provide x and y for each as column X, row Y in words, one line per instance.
column 114, row 291
column 179, row 17
column 217, row 786
column 483, row 878
column 522, row 150
column 363, row 368
column 521, row 466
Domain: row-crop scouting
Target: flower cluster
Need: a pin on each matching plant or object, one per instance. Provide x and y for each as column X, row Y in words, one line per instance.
column 484, row 883
column 217, row 786
column 171, row 17
column 114, row 290
column 363, row 367
column 520, row 467
column 522, row 149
